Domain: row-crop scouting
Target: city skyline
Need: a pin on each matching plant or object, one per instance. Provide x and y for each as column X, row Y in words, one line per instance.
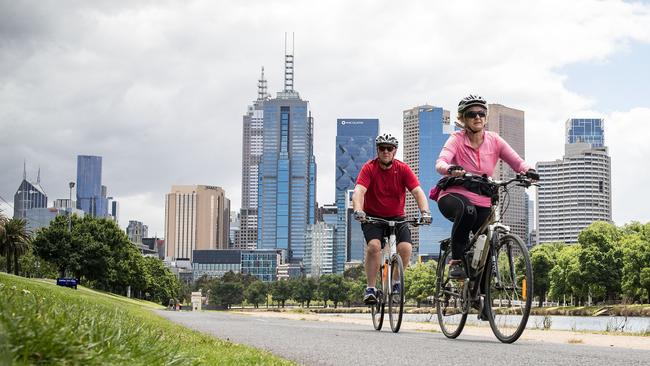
column 186, row 106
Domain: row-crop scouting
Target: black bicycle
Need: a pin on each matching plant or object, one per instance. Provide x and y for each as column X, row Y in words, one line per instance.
column 500, row 276
column 391, row 272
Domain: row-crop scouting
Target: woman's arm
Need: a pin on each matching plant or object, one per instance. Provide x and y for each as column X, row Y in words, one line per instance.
column 446, row 155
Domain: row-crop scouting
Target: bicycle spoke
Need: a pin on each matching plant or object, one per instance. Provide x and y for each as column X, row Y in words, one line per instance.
column 509, row 307
column 449, row 301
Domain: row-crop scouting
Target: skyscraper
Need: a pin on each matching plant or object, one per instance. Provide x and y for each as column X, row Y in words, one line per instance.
column 196, row 217
column 426, row 129
column 136, row 230
column 287, row 178
column 575, row 191
column 29, row 195
column 91, row 195
column 253, row 123
column 355, row 145
column 509, row 124
column 588, row 130
column 319, row 249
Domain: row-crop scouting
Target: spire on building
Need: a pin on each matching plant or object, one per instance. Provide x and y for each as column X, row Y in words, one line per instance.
column 24, row 169
column 38, row 177
column 288, row 64
column 261, row 87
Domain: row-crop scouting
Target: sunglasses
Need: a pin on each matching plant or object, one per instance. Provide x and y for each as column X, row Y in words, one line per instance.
column 473, row 114
column 386, row 148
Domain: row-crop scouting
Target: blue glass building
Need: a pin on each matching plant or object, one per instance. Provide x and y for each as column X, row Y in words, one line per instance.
column 426, row 129
column 355, row 145
column 91, row 199
column 589, row 130
column 287, row 178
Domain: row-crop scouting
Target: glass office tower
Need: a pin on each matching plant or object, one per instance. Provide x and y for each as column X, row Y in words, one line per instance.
column 89, row 186
column 588, row 130
column 355, row 145
column 287, row 178
column 426, row 129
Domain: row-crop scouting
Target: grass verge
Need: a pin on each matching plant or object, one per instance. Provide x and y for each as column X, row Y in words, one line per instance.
column 41, row 323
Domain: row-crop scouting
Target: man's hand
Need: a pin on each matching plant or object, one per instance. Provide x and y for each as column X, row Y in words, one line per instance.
column 360, row 216
column 425, row 217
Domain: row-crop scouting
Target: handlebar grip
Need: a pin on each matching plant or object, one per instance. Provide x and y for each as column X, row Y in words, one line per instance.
column 532, row 174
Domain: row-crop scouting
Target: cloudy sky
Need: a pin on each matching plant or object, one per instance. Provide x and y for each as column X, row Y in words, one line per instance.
column 158, row 88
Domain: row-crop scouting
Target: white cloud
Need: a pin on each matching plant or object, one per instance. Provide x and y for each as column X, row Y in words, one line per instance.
column 159, row 88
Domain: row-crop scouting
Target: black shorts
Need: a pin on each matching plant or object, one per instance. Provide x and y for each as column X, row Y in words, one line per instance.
column 379, row 231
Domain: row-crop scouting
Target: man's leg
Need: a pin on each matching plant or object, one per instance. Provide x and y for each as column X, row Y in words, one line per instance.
column 404, row 249
column 373, row 259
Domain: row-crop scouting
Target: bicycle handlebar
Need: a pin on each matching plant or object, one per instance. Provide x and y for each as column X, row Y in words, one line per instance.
column 522, row 179
column 414, row 222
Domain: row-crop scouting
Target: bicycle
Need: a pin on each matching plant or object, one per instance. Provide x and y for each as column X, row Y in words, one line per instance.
column 499, row 281
column 391, row 268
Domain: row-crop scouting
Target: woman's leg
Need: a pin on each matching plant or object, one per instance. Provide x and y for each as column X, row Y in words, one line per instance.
column 458, row 209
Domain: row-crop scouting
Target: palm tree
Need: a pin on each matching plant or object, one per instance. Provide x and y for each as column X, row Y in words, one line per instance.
column 15, row 241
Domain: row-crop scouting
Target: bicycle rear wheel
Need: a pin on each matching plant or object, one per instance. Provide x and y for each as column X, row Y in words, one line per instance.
column 377, row 309
column 396, row 300
column 449, row 300
column 510, row 291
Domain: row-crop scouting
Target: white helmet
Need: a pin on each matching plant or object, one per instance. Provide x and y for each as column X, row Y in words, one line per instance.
column 471, row 100
column 386, row 139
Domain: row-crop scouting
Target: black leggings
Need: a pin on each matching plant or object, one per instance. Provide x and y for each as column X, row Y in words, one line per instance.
column 465, row 216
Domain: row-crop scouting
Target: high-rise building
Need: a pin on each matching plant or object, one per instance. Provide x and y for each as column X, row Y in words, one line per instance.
column 588, row 130
column 253, row 135
column 91, row 195
column 28, row 196
column 196, row 217
column 136, row 231
column 319, row 250
column 575, row 191
column 426, row 129
column 328, row 214
column 355, row 145
column 287, row 178
column 113, row 210
column 509, row 124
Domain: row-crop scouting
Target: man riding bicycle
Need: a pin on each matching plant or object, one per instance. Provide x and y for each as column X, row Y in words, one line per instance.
column 381, row 192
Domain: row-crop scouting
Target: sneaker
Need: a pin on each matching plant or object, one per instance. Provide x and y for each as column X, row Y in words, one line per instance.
column 396, row 288
column 456, row 270
column 370, row 297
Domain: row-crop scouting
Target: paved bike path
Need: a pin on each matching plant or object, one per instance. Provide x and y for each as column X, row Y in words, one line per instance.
column 329, row 343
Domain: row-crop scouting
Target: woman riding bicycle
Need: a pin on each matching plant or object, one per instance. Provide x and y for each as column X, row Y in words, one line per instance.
column 477, row 151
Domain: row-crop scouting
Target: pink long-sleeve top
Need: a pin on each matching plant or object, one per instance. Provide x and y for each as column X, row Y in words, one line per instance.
column 458, row 150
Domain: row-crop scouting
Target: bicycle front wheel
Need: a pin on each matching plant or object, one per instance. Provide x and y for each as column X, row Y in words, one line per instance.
column 449, row 300
column 510, row 291
column 377, row 309
column 396, row 296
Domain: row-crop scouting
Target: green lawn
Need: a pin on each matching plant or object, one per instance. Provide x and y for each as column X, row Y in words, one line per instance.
column 41, row 323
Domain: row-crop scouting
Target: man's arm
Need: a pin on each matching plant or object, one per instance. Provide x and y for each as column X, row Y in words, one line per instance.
column 421, row 199
column 358, row 197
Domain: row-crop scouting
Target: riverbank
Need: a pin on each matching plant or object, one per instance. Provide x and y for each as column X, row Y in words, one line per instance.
column 614, row 340
column 642, row 310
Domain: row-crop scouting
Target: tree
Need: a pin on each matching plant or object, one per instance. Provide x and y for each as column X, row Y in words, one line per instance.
column 54, row 244
column 14, row 242
column 226, row 294
column 636, row 252
column 601, row 259
column 355, row 273
column 281, row 291
column 420, row 281
column 332, row 287
column 645, row 281
column 565, row 277
column 542, row 262
column 35, row 267
column 161, row 283
column 303, row 289
column 256, row 293
column 355, row 289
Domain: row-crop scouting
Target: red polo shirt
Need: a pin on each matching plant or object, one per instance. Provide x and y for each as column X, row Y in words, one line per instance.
column 386, row 189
